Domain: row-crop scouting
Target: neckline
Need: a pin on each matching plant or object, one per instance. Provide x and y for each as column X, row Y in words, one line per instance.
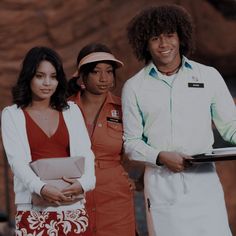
column 42, row 130
column 172, row 72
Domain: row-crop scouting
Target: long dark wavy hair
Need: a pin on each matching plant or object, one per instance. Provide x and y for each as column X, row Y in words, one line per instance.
column 21, row 92
column 154, row 21
column 73, row 86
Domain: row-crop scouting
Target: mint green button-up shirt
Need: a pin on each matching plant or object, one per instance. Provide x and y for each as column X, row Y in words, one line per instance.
column 163, row 114
column 160, row 115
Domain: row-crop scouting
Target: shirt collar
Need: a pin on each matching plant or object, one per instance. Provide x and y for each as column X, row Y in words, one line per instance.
column 153, row 72
column 109, row 99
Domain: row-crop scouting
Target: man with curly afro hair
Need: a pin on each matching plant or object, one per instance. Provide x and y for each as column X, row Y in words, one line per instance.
column 168, row 109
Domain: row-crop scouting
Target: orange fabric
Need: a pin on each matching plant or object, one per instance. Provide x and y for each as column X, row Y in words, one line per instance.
column 41, row 145
column 110, row 206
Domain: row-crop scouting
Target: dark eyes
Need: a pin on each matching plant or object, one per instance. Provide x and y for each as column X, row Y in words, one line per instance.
column 40, row 76
column 167, row 35
column 170, row 35
column 98, row 71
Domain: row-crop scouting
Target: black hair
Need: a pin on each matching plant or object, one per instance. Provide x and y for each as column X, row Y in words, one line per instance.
column 21, row 92
column 154, row 21
column 73, row 86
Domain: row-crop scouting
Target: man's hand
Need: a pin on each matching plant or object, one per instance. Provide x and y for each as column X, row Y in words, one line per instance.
column 174, row 161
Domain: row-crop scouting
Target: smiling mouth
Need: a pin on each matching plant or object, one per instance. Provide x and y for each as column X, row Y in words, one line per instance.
column 45, row 90
column 102, row 86
column 165, row 52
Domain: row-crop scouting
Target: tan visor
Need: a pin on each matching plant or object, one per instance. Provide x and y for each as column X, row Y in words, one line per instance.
column 98, row 56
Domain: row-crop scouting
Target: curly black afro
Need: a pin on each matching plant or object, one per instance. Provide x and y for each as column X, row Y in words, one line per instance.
column 154, row 21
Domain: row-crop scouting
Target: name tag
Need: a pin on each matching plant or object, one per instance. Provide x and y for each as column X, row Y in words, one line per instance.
column 195, row 85
column 115, row 120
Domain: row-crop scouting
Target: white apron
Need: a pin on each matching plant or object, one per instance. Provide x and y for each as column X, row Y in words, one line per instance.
column 183, row 204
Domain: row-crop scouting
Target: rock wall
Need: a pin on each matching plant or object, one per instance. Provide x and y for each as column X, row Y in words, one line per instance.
column 68, row 25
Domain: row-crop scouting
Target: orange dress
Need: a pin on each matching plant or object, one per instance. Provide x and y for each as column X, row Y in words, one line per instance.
column 111, row 204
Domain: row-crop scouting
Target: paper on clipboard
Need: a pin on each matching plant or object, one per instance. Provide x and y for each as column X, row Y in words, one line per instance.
column 216, row 154
column 223, row 151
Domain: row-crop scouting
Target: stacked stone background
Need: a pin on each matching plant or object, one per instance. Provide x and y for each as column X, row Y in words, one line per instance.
column 67, row 25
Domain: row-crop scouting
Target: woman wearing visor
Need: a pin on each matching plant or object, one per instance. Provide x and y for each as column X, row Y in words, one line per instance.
column 110, row 206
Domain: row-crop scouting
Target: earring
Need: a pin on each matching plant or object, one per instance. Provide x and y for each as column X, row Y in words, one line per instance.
column 82, row 86
column 112, row 85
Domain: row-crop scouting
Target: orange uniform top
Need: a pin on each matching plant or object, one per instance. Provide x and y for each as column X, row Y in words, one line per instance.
column 110, row 205
column 106, row 137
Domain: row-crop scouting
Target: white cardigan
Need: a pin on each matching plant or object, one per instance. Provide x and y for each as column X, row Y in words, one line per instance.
column 17, row 149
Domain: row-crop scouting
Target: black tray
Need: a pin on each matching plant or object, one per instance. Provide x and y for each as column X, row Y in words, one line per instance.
column 212, row 158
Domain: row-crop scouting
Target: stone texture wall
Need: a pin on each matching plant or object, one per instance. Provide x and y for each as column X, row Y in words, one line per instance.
column 68, row 25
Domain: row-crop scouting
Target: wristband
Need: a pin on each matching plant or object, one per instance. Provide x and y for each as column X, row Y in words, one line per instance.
column 158, row 163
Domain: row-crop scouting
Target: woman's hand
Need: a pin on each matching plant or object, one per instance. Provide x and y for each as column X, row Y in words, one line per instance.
column 74, row 190
column 53, row 195
column 174, row 161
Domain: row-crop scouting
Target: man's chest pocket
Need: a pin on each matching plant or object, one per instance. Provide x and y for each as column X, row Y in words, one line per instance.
column 114, row 129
